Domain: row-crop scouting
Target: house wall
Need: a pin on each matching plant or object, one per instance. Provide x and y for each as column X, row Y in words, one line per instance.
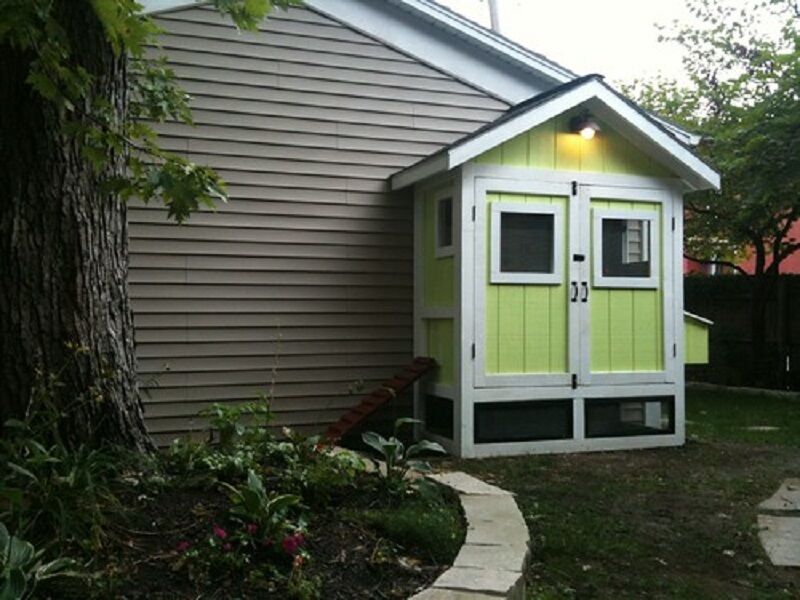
column 302, row 283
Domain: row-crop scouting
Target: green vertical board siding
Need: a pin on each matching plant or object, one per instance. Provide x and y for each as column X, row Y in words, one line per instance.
column 696, row 340
column 526, row 325
column 627, row 325
column 439, row 334
column 438, row 273
column 552, row 146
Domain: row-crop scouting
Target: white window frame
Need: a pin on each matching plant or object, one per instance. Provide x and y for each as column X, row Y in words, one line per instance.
column 602, row 281
column 439, row 250
column 556, row 277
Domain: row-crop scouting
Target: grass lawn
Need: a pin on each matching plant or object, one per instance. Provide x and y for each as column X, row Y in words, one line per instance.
column 667, row 523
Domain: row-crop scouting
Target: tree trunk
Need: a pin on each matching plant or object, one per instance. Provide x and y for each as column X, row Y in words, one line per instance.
column 64, row 254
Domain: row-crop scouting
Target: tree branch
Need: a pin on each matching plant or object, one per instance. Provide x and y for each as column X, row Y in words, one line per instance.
column 722, row 263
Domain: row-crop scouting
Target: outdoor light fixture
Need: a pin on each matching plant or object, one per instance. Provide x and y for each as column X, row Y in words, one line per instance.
column 585, row 125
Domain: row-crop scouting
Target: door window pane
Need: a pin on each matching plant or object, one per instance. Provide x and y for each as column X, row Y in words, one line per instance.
column 526, row 242
column 626, row 248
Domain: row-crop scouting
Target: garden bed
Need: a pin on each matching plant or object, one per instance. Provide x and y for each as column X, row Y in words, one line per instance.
column 249, row 516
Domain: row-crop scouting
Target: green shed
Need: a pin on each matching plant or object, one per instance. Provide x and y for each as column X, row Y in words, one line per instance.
column 548, row 278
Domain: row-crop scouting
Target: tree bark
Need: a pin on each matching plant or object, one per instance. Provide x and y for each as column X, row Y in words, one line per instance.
column 64, row 254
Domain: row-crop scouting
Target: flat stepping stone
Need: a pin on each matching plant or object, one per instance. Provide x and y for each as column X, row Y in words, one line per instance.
column 785, row 500
column 779, row 525
column 780, row 537
column 467, row 485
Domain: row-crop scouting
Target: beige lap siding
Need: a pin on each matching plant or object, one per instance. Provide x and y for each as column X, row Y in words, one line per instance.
column 308, row 270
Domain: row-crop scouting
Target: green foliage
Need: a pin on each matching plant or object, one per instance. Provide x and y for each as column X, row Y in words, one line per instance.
column 434, row 528
column 396, row 456
column 313, row 470
column 252, row 504
column 743, row 97
column 52, row 489
column 229, row 421
column 242, row 441
column 22, row 568
column 104, row 130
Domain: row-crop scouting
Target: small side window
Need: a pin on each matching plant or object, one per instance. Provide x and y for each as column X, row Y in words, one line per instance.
column 625, row 249
column 444, row 226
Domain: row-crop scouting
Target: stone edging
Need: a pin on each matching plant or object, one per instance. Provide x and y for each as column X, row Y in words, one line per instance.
column 491, row 563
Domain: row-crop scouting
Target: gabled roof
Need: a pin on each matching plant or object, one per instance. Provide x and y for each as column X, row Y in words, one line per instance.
column 591, row 92
column 467, row 50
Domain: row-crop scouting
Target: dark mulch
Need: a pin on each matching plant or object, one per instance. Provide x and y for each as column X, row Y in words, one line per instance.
column 356, row 562
column 351, row 559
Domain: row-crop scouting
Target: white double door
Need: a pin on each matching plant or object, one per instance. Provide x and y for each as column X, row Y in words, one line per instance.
column 573, row 284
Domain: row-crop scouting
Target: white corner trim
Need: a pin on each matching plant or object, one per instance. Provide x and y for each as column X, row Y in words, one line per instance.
column 697, row 318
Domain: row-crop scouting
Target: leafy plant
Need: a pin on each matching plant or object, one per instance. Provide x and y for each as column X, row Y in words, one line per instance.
column 312, row 469
column 53, row 490
column 397, row 458
column 22, row 568
column 229, row 421
column 252, row 504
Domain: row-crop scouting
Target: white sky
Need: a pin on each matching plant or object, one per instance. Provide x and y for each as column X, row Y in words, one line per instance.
column 616, row 38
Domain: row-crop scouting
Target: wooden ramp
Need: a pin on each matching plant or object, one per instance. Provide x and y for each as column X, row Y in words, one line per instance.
column 388, row 390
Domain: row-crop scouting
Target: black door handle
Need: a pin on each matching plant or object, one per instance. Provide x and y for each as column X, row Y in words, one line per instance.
column 585, row 292
column 574, row 297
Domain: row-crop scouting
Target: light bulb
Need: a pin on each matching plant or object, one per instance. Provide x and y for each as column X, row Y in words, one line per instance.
column 587, row 133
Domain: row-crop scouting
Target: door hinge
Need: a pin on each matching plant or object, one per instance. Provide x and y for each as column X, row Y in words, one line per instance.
column 574, row 188
column 473, row 213
column 574, row 381
column 673, row 223
column 674, row 350
column 473, row 350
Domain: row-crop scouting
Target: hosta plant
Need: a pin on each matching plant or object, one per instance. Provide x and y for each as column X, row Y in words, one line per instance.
column 397, row 457
column 22, row 568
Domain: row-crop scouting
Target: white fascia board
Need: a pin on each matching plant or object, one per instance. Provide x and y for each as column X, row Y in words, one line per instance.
column 698, row 174
column 694, row 170
column 492, row 40
column 436, row 42
column 158, row 6
column 437, row 163
column 687, row 137
column 697, row 318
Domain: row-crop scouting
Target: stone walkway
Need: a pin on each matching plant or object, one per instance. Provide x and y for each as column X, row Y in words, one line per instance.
column 779, row 525
column 492, row 561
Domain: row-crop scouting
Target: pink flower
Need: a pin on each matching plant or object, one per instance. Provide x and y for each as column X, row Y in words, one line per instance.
column 226, row 547
column 219, row 531
column 251, row 528
column 292, row 543
column 183, row 546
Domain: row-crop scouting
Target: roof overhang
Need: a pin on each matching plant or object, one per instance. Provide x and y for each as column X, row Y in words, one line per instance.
column 638, row 127
column 448, row 41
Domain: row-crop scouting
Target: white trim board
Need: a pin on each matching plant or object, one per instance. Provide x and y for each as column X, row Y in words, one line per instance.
column 698, row 318
column 641, row 130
